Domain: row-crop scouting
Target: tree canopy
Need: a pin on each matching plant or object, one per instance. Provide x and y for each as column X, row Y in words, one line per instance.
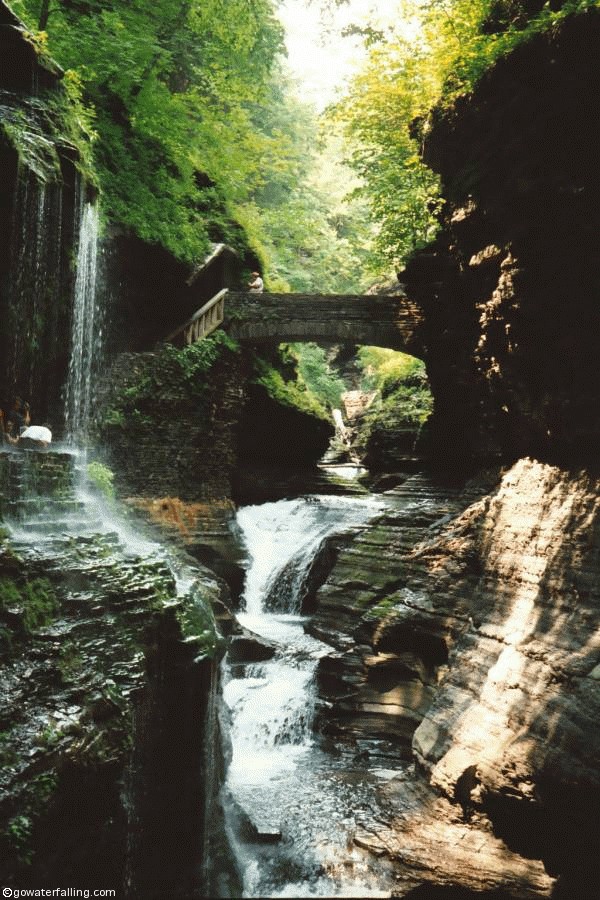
column 199, row 137
column 434, row 51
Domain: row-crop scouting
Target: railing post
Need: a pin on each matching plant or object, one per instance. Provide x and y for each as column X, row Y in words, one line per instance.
column 203, row 322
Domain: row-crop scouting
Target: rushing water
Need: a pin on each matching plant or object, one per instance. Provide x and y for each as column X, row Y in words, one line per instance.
column 293, row 808
column 85, row 331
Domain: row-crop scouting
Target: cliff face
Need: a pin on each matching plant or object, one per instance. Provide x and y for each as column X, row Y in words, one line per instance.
column 108, row 773
column 40, row 194
column 477, row 639
column 510, row 289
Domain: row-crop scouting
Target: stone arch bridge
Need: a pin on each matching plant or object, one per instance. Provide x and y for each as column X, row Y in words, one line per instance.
column 376, row 320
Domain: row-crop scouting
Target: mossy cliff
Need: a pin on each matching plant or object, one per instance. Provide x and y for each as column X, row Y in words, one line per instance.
column 180, row 423
column 108, row 669
column 510, row 288
column 45, row 174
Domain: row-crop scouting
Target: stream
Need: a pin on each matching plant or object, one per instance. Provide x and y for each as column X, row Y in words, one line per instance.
column 292, row 805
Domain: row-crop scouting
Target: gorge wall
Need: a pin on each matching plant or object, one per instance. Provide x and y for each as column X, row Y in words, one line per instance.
column 465, row 631
column 510, row 288
column 41, row 193
column 108, row 670
column 109, row 661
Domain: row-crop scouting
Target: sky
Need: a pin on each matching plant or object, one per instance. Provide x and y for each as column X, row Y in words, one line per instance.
column 318, row 56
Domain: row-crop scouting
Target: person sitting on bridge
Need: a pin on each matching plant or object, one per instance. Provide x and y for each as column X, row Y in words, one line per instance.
column 256, row 286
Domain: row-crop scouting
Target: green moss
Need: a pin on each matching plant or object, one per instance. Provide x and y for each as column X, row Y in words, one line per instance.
column 102, row 478
column 10, row 595
column 70, row 662
column 287, row 392
column 18, row 836
column 197, row 623
column 41, row 604
column 36, row 600
column 381, row 608
column 19, row 830
column 169, row 377
column 48, row 737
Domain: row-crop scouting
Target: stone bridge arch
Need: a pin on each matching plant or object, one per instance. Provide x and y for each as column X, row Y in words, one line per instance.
column 376, row 320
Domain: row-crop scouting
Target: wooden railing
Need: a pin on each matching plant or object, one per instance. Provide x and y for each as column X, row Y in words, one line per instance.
column 202, row 323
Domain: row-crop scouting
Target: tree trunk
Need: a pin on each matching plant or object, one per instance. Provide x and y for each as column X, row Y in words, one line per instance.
column 44, row 15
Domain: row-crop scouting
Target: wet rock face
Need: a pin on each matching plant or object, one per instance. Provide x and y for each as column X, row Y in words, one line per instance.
column 38, row 202
column 510, row 287
column 106, row 678
column 381, row 679
column 483, row 629
column 207, row 531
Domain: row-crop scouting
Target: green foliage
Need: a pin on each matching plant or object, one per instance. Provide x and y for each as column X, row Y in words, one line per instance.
column 437, row 50
column 172, row 87
column 35, row 599
column 40, row 604
column 383, row 369
column 404, row 400
column 48, row 737
column 293, row 393
column 10, row 595
column 177, row 375
column 316, row 374
column 18, row 833
column 402, row 193
column 102, row 479
column 198, row 626
column 311, row 237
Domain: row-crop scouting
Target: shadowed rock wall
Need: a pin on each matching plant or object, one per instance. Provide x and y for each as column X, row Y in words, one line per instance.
column 511, row 288
column 38, row 227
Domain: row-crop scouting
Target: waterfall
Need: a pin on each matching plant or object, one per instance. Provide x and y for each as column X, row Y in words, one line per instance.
column 86, row 332
column 292, row 815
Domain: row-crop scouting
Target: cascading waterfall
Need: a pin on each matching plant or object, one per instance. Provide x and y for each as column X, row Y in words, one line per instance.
column 292, row 814
column 86, row 333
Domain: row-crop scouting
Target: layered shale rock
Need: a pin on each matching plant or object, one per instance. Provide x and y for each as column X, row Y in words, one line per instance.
column 108, row 668
column 485, row 635
column 379, row 682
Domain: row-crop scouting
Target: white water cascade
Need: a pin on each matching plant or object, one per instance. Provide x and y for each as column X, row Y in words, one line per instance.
column 297, row 809
column 86, row 331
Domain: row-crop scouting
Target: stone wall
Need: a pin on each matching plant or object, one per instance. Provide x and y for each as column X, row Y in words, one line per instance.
column 178, row 441
column 510, row 288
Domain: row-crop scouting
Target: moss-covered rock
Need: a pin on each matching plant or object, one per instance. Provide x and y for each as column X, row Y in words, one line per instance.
column 108, row 665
